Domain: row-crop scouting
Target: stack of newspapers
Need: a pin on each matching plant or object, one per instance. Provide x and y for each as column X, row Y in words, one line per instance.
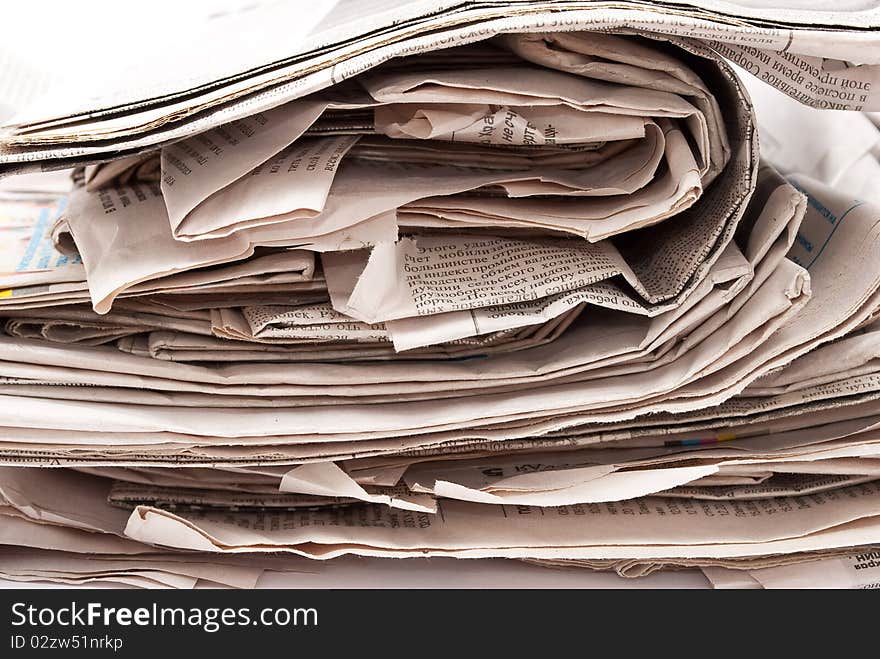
column 472, row 280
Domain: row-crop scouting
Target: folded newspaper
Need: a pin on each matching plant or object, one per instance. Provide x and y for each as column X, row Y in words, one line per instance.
column 449, row 279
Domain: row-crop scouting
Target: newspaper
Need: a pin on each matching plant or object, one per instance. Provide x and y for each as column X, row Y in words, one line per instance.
column 789, row 525
column 130, row 212
column 787, row 51
column 846, row 157
column 475, row 398
column 512, row 533
column 346, row 210
column 448, row 281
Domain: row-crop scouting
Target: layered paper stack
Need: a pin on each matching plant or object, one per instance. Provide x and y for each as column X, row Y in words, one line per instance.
column 484, row 283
